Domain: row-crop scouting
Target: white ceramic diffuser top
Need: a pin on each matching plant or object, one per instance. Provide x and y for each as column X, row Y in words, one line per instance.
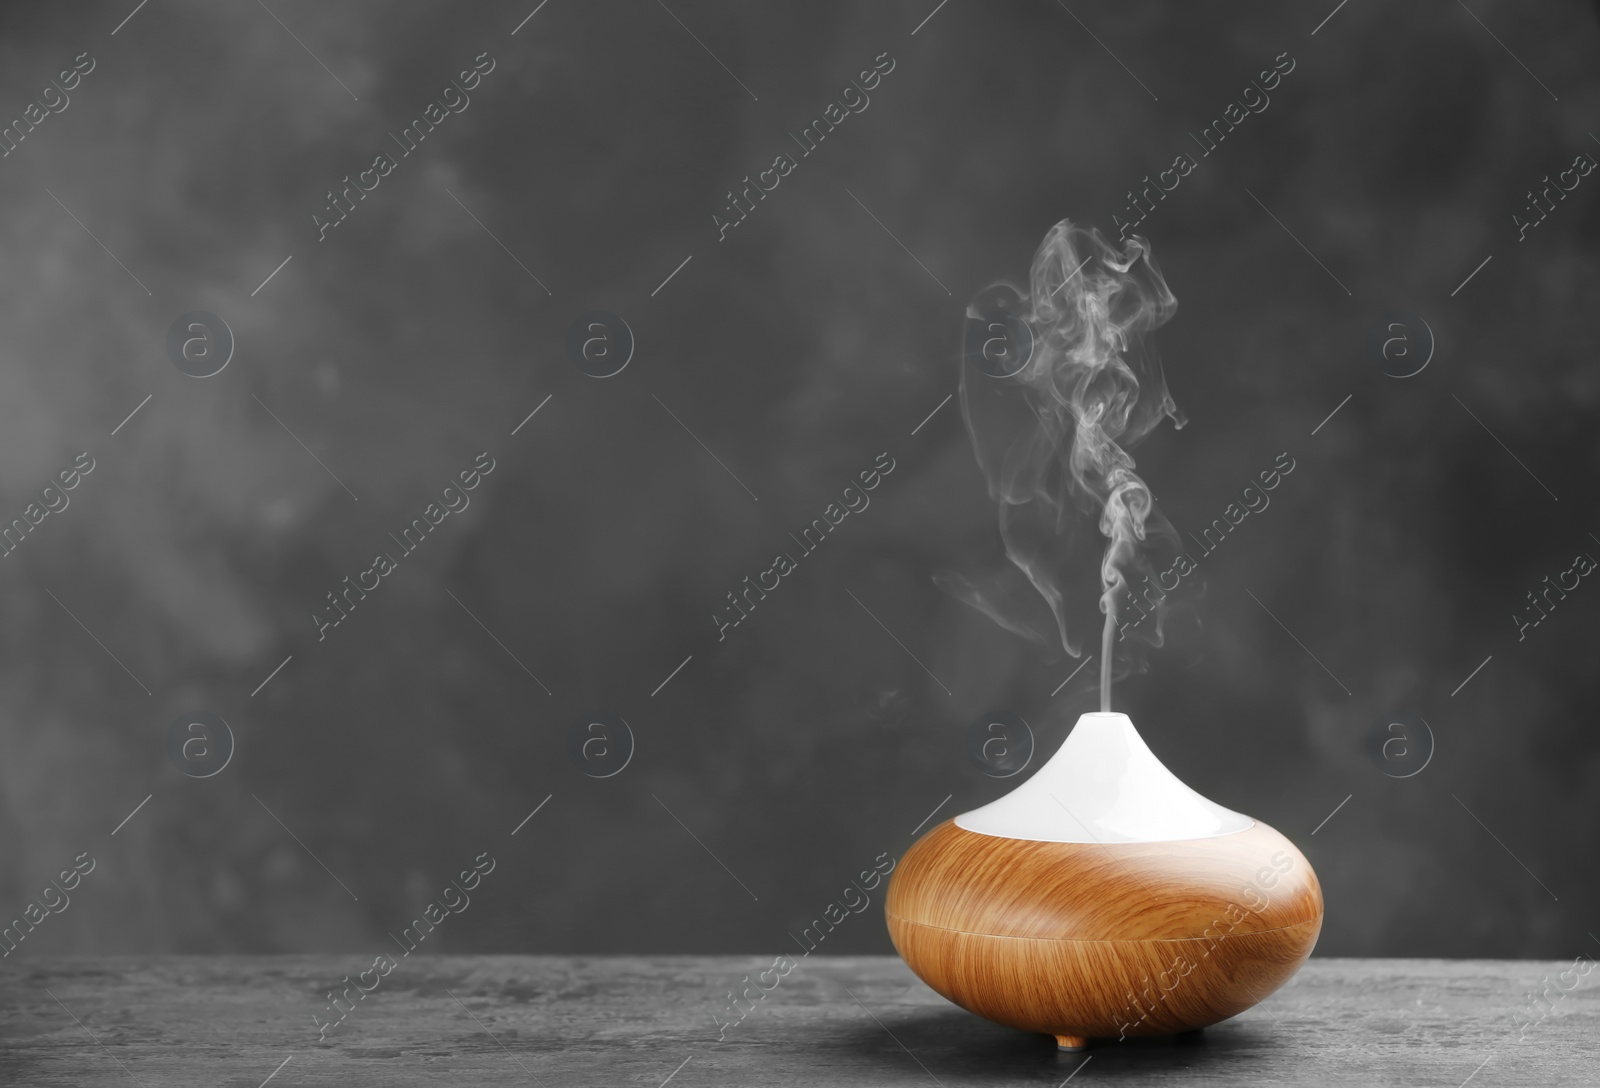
column 1103, row 785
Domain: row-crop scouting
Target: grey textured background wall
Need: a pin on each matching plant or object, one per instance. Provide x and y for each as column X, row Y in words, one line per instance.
column 783, row 759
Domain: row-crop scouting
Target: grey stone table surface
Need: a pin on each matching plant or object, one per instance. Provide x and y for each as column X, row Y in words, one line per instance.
column 643, row 1020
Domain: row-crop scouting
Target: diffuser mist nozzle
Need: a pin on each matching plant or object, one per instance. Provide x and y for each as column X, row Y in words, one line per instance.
column 1103, row 785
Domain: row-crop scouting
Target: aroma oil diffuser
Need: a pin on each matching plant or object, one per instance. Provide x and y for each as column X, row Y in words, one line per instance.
column 1104, row 898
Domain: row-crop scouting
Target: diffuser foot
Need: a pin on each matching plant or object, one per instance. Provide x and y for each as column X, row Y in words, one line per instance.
column 1071, row 1042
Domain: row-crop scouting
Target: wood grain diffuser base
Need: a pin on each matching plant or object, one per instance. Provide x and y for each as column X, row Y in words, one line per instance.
column 1104, row 898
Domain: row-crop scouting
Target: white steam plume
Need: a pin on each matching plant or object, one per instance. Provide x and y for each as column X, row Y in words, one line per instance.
column 1056, row 384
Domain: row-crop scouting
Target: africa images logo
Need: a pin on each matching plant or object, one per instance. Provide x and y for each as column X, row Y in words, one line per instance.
column 453, row 99
column 852, row 99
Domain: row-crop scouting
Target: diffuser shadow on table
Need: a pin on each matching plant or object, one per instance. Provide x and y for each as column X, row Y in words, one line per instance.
column 889, row 1014
column 957, row 1046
